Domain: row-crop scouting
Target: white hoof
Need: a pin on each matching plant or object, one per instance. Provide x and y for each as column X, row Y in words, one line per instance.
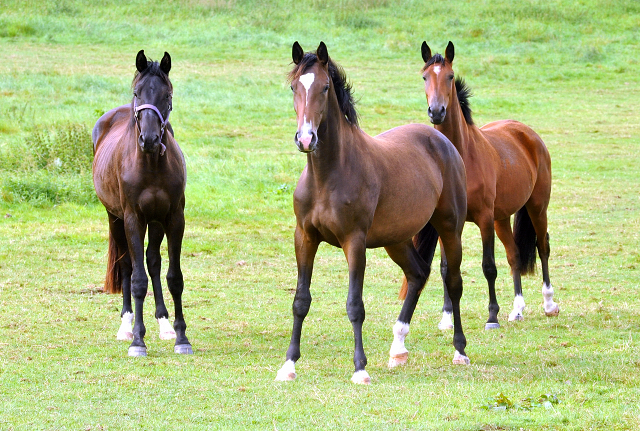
column 459, row 359
column 166, row 330
column 287, row 373
column 397, row 360
column 361, row 378
column 124, row 336
column 518, row 308
column 446, row 322
column 516, row 316
column 489, row 326
column 125, row 333
column 552, row 311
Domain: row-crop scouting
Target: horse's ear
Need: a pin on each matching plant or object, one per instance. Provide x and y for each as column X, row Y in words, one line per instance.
column 165, row 63
column 297, row 53
column 426, row 52
column 141, row 61
column 322, row 54
column 448, row 53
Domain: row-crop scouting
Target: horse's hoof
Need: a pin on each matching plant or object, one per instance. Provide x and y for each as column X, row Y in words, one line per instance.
column 168, row 335
column 287, row 373
column 137, row 351
column 491, row 325
column 554, row 312
column 124, row 336
column 396, row 360
column 183, row 349
column 446, row 322
column 361, row 378
column 459, row 359
column 166, row 330
column 285, row 376
column 516, row 317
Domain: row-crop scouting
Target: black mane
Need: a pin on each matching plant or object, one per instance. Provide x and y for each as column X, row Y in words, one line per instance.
column 464, row 93
column 338, row 77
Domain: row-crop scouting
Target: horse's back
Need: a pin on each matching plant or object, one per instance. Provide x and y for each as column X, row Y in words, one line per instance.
column 524, row 164
column 505, row 135
column 437, row 148
column 423, row 173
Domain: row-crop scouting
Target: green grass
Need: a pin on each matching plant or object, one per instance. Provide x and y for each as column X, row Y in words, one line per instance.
column 568, row 69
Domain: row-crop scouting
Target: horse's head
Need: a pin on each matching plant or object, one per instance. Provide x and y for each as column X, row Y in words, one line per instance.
column 438, row 81
column 310, row 85
column 152, row 95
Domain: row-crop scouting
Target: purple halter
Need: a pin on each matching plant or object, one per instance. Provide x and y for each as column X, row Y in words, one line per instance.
column 163, row 121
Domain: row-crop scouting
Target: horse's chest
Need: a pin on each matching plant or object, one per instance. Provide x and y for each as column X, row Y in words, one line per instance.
column 336, row 216
column 154, row 203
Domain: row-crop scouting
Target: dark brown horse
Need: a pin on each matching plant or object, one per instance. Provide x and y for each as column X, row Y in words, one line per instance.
column 508, row 172
column 139, row 175
column 358, row 192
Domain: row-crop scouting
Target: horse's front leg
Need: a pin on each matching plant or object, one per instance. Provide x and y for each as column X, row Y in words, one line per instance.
column 175, row 280
column 306, row 247
column 135, row 231
column 154, row 265
column 356, row 253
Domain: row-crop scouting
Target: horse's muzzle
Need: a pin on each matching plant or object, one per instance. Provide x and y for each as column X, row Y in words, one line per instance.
column 149, row 143
column 306, row 142
column 437, row 115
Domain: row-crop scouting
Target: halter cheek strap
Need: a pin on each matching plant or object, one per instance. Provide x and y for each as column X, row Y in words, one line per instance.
column 163, row 121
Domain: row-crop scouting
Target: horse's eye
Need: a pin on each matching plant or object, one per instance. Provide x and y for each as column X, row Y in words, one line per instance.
column 450, row 77
column 135, row 94
column 291, row 87
column 326, row 88
column 424, row 78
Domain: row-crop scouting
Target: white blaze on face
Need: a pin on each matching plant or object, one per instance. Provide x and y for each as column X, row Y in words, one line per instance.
column 436, row 69
column 306, row 130
column 306, row 80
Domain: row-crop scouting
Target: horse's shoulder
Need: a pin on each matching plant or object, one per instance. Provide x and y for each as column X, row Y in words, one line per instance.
column 107, row 121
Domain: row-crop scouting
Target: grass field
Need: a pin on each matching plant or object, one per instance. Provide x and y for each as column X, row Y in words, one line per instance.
column 569, row 69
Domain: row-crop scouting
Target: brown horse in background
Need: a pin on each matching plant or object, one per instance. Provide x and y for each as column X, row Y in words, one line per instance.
column 508, row 172
column 139, row 175
column 358, row 192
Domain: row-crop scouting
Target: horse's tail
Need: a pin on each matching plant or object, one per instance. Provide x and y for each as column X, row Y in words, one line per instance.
column 113, row 280
column 525, row 238
column 425, row 243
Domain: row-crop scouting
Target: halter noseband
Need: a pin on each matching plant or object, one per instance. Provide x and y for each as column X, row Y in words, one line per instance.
column 163, row 121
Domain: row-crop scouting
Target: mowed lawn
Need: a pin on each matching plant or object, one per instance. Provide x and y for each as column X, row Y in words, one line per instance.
column 570, row 70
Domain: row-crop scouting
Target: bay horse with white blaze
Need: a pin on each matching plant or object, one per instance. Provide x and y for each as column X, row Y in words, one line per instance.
column 140, row 176
column 508, row 172
column 358, row 192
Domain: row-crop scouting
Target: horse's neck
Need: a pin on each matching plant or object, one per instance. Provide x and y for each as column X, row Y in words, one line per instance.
column 455, row 127
column 336, row 139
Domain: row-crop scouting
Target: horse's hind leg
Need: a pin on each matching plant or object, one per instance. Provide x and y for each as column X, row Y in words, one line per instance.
column 156, row 235
column 116, row 230
column 539, row 221
column 446, row 322
column 416, row 271
column 175, row 280
column 505, row 234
